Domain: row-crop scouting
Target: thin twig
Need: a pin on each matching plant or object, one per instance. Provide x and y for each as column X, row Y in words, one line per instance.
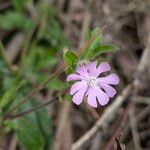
column 10, row 117
column 133, row 123
column 63, row 128
column 140, row 117
column 141, row 100
column 37, row 89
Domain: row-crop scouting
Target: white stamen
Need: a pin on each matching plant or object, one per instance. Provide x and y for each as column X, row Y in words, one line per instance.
column 92, row 82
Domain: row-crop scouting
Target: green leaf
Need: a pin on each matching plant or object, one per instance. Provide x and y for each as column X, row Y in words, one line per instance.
column 97, row 41
column 68, row 97
column 56, row 84
column 19, row 4
column 15, row 20
column 70, row 58
column 9, row 95
column 27, row 131
column 41, row 121
column 29, row 134
column 69, row 70
column 51, row 31
column 39, row 58
column 44, row 123
column 103, row 49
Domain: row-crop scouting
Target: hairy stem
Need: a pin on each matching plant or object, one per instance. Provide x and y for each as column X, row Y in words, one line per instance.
column 10, row 117
column 38, row 88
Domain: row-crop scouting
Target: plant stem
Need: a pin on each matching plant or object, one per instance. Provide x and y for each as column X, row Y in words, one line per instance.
column 31, row 110
column 38, row 88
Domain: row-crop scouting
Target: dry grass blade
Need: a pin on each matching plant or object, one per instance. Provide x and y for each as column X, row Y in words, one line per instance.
column 135, row 134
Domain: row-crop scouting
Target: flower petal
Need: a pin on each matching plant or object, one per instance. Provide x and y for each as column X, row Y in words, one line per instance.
column 91, row 99
column 110, row 91
column 77, row 86
column 103, row 67
column 92, row 67
column 110, row 79
column 78, row 97
column 73, row 77
column 82, row 70
column 101, row 96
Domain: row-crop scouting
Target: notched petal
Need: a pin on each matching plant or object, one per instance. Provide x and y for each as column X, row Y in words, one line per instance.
column 78, row 96
column 77, row 86
column 73, row 77
column 102, row 97
column 103, row 67
column 111, row 79
column 91, row 99
column 110, row 91
column 92, row 67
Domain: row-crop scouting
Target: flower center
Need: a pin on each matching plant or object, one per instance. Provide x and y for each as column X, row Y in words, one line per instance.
column 92, row 82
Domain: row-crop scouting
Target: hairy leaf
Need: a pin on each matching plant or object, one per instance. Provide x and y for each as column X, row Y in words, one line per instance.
column 103, row 49
column 70, row 58
column 29, row 135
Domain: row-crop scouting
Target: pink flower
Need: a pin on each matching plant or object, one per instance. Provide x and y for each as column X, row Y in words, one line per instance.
column 88, row 83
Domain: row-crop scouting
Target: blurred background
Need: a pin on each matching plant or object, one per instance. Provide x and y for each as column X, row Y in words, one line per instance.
column 33, row 36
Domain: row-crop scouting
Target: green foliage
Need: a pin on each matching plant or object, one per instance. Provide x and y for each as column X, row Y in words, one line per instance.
column 41, row 120
column 97, row 47
column 9, row 96
column 91, row 52
column 29, row 134
column 68, row 97
column 88, row 53
column 70, row 59
column 97, row 41
column 103, row 49
column 15, row 20
column 19, row 4
column 34, row 130
column 44, row 123
column 56, row 84
column 35, row 126
column 38, row 58
column 69, row 70
column 50, row 31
